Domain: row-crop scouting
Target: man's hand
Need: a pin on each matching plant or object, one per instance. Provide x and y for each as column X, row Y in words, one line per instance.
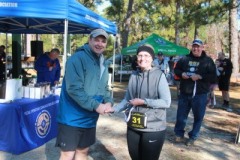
column 196, row 77
column 220, row 68
column 109, row 108
column 104, row 108
column 185, row 76
column 50, row 68
column 101, row 109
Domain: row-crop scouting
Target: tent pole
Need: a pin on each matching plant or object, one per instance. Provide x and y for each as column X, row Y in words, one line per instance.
column 114, row 46
column 121, row 68
column 65, row 45
column 6, row 61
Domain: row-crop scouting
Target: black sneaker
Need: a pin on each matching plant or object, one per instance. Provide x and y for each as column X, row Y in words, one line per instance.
column 223, row 106
column 190, row 142
column 228, row 108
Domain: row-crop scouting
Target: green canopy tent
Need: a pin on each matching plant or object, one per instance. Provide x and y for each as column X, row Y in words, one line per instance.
column 160, row 44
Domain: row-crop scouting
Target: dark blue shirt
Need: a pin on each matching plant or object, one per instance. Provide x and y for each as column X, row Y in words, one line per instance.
column 42, row 65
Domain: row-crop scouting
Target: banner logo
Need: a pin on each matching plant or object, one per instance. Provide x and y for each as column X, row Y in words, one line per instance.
column 160, row 41
column 43, row 124
column 9, row 4
column 96, row 20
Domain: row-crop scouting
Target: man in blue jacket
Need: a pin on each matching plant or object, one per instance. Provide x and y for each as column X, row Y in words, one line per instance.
column 85, row 94
column 196, row 71
column 48, row 67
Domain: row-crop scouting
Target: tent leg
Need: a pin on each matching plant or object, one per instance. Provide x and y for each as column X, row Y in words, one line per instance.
column 65, row 45
column 114, row 46
column 6, row 63
column 121, row 69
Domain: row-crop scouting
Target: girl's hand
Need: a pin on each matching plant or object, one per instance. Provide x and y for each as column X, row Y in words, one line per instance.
column 136, row 102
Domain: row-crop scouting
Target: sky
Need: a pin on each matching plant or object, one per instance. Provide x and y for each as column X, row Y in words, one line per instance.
column 105, row 4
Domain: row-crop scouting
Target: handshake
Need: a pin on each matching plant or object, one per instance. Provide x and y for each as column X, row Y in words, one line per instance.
column 105, row 108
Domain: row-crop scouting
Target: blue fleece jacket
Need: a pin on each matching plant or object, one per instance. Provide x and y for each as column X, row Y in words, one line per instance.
column 42, row 67
column 82, row 82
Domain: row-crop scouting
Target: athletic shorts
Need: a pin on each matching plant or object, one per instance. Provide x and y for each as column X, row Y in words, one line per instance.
column 223, row 84
column 70, row 138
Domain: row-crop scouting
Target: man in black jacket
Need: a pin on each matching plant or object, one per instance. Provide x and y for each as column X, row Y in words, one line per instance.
column 196, row 72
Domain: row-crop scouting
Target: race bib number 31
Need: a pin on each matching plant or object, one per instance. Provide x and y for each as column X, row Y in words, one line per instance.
column 138, row 120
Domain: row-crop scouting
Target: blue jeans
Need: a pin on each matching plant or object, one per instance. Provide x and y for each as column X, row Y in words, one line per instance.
column 185, row 104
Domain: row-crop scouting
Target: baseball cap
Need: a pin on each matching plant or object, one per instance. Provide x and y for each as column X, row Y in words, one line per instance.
column 160, row 53
column 99, row 32
column 198, row 42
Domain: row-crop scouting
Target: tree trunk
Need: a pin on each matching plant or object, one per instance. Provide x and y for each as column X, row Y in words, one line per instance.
column 127, row 24
column 178, row 5
column 233, row 37
column 53, row 41
column 196, row 34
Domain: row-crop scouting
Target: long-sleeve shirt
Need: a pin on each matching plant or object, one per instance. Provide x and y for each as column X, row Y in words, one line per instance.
column 42, row 65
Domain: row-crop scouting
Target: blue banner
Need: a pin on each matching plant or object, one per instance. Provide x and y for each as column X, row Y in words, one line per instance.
column 27, row 124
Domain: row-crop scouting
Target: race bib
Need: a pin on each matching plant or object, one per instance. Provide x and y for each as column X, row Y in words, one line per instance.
column 137, row 120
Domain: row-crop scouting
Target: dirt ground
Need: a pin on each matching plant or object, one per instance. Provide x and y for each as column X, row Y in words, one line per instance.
column 216, row 141
column 218, row 133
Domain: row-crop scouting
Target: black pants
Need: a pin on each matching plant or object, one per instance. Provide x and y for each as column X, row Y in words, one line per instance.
column 145, row 145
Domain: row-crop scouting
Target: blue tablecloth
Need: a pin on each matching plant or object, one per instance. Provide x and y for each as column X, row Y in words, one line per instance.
column 26, row 124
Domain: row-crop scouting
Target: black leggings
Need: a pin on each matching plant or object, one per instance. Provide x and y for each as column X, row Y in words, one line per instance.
column 145, row 145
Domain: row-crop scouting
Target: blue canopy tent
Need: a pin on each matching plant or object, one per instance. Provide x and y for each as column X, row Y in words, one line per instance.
column 50, row 17
column 44, row 16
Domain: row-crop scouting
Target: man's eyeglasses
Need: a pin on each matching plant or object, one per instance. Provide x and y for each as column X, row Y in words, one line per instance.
column 143, row 56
